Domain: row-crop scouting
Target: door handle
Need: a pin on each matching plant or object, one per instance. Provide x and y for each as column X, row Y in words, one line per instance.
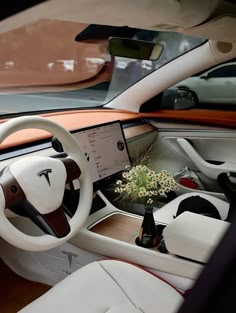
column 208, row 169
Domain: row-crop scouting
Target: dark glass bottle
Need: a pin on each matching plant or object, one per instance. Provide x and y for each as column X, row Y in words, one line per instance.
column 148, row 233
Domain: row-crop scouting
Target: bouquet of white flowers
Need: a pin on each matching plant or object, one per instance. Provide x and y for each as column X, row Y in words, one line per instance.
column 143, row 185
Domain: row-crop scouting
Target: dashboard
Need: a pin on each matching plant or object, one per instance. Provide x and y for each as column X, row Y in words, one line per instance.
column 104, row 145
column 73, row 120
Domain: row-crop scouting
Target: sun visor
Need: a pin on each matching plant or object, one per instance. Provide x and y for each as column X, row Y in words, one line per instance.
column 138, row 14
column 221, row 28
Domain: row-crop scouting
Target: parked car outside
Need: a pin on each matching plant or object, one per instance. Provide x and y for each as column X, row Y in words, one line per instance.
column 217, row 85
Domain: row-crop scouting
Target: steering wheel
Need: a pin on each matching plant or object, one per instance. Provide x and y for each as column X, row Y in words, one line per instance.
column 34, row 187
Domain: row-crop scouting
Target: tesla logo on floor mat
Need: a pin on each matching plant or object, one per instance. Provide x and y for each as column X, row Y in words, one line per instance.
column 69, row 255
column 45, row 173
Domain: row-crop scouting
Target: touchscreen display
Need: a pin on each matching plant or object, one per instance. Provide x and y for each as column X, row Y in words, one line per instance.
column 105, row 149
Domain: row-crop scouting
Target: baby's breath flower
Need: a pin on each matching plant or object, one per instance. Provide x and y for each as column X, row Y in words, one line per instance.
column 124, row 175
column 149, row 201
column 140, row 183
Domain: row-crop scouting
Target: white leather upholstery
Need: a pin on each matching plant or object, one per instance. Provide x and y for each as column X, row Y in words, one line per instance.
column 108, row 286
column 194, row 236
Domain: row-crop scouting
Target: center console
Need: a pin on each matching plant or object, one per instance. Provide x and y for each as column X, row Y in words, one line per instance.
column 111, row 232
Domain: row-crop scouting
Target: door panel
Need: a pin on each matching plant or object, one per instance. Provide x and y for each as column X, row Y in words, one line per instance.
column 210, row 168
column 213, row 148
column 216, row 147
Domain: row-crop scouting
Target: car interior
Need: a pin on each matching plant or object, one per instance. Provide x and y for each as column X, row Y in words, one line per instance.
column 91, row 91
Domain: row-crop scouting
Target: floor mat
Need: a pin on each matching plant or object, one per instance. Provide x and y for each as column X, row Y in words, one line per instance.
column 15, row 291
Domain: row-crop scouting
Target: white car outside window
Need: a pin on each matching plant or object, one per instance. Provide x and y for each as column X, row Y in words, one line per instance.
column 217, row 85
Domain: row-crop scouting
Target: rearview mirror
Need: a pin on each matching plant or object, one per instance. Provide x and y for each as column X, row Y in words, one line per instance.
column 134, row 49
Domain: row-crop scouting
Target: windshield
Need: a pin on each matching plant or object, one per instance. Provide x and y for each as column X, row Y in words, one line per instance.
column 43, row 67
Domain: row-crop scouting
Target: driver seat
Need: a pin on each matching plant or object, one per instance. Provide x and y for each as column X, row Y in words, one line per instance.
column 109, row 286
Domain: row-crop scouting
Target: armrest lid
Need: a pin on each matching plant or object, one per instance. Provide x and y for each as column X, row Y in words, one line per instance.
column 194, row 236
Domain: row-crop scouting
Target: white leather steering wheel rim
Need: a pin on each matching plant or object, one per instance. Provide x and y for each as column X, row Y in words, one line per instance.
column 7, row 230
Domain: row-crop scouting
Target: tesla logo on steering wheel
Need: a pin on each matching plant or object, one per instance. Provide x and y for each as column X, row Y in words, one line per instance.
column 45, row 173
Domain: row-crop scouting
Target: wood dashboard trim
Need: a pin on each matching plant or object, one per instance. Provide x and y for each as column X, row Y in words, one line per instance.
column 118, row 226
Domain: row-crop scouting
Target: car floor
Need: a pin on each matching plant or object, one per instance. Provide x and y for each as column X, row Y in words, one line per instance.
column 15, row 291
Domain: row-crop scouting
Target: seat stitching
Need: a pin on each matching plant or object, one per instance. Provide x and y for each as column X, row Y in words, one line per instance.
column 118, row 285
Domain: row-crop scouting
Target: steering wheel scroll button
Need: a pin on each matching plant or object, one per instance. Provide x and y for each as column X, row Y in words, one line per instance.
column 11, row 189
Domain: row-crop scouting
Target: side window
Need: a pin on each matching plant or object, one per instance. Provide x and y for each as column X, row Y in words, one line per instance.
column 224, row 71
column 202, row 92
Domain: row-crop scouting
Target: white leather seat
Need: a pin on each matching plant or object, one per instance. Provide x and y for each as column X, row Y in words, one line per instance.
column 108, row 286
